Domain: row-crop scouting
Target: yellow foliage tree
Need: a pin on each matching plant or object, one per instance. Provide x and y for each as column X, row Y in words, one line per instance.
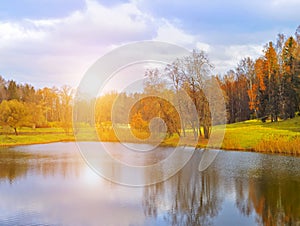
column 13, row 113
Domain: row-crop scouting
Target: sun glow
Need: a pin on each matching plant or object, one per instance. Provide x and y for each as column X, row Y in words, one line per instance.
column 90, row 177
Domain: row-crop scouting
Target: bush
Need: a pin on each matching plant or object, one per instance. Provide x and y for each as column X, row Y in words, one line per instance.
column 264, row 119
column 279, row 144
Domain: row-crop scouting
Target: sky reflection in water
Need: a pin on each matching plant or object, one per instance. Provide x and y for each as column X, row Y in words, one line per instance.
column 50, row 184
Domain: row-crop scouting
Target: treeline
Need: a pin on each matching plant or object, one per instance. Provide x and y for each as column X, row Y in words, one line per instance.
column 23, row 105
column 180, row 95
column 183, row 94
column 268, row 87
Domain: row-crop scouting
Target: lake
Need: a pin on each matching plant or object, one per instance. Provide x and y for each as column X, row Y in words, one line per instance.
column 51, row 184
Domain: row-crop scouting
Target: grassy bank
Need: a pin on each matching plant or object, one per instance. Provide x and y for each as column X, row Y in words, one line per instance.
column 277, row 137
column 33, row 136
column 281, row 137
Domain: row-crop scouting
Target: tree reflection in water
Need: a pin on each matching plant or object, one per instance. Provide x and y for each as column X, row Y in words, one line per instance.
column 17, row 164
column 263, row 188
column 10, row 165
column 188, row 198
column 273, row 194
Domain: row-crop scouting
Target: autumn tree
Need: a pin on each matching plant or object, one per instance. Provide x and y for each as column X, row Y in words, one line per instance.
column 3, row 90
column 175, row 72
column 36, row 116
column 260, row 102
column 191, row 75
column 13, row 113
column 159, row 102
column 267, row 87
column 48, row 98
column 27, row 93
column 103, row 108
column 265, row 90
column 277, row 81
column 273, row 81
column 137, row 122
column 228, row 85
column 247, row 88
column 238, row 88
column 66, row 96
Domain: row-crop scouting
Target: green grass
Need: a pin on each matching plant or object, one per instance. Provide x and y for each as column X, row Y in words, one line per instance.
column 33, row 136
column 275, row 137
column 253, row 135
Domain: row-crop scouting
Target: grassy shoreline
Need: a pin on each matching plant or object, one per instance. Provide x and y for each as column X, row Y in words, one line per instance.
column 254, row 136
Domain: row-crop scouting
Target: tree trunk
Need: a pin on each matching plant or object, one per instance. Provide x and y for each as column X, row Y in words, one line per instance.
column 206, row 132
column 183, row 131
column 16, row 132
column 195, row 131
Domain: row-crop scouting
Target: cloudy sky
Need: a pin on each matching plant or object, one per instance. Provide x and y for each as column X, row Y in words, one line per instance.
column 54, row 42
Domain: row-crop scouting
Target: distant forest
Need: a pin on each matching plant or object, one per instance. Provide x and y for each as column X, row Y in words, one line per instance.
column 266, row 88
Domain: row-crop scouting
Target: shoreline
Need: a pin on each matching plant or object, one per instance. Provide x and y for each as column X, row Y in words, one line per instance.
column 11, row 145
column 33, row 143
column 249, row 136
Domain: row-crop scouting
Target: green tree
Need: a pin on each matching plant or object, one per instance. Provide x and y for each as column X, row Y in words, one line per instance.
column 13, row 91
column 27, row 93
column 289, row 80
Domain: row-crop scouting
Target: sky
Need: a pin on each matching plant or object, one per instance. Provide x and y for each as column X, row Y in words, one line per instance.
column 54, row 42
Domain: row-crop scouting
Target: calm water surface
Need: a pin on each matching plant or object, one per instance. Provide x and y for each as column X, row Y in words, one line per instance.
column 50, row 184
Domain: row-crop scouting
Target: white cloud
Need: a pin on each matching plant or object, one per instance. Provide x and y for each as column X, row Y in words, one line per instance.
column 225, row 58
column 169, row 33
column 203, row 46
column 99, row 24
column 59, row 51
column 12, row 32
